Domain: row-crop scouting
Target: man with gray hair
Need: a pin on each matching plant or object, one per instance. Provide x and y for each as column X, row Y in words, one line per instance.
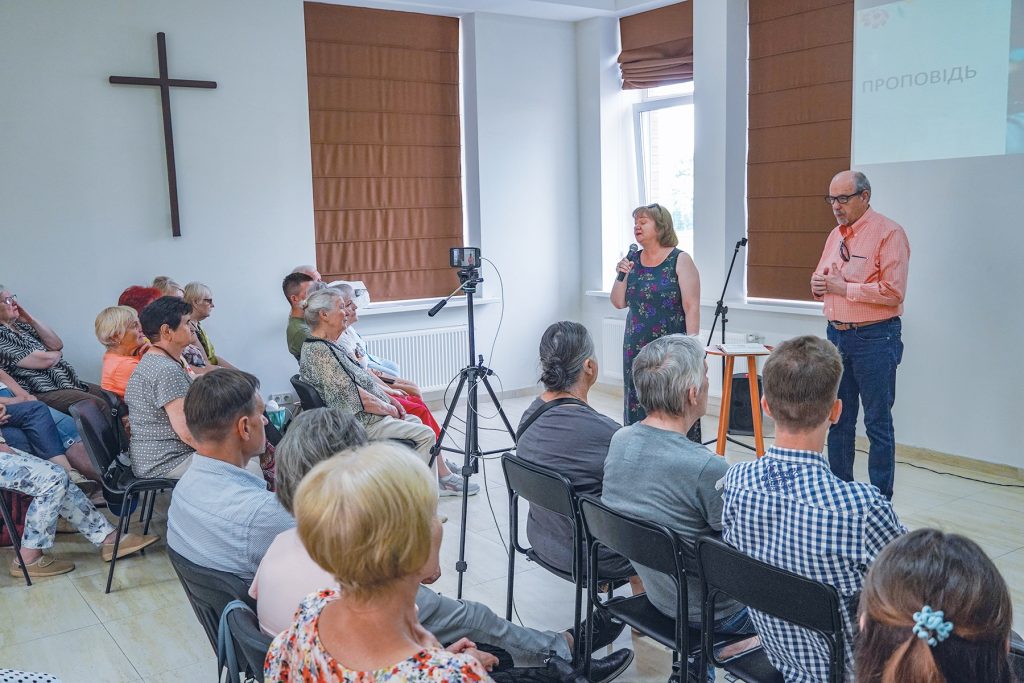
column 654, row 472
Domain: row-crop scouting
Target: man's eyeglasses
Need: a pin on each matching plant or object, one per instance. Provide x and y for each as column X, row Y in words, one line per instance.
column 841, row 198
column 10, row 300
column 844, row 252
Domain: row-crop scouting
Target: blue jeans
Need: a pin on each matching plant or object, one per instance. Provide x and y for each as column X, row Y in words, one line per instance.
column 31, row 429
column 65, row 423
column 870, row 357
column 736, row 624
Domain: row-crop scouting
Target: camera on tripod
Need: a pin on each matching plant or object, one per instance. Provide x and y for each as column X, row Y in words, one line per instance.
column 467, row 260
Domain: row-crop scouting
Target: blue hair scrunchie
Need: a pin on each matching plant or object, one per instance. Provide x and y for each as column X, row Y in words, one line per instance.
column 929, row 626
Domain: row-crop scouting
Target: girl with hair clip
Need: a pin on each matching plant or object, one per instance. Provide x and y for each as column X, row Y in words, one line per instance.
column 934, row 609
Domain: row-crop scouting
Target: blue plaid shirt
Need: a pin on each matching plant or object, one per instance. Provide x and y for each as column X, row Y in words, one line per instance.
column 789, row 510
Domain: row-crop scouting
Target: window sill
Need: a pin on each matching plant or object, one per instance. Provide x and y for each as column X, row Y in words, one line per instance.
column 809, row 308
column 415, row 305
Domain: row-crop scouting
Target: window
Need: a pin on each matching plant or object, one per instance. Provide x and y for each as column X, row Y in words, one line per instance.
column 663, row 127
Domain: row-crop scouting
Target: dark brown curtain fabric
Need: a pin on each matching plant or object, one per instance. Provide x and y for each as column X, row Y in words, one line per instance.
column 800, row 99
column 386, row 149
column 657, row 47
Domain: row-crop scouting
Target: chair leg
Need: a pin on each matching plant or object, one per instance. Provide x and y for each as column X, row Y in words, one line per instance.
column 577, row 648
column 511, row 575
column 12, row 531
column 149, row 515
column 122, row 526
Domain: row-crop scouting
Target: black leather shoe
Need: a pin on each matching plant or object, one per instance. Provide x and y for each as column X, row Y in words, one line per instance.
column 601, row 670
column 606, row 630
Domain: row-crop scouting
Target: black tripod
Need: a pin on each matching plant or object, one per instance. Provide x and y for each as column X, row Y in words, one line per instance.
column 722, row 311
column 473, row 374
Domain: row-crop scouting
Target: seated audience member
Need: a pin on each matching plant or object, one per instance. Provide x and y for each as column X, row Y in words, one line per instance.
column 120, row 332
column 54, row 496
column 296, row 287
column 789, row 510
column 356, row 347
column 310, row 271
column 201, row 298
column 161, row 444
column 569, row 437
column 343, row 384
column 29, row 427
column 75, row 460
column 653, row 471
column 222, row 516
column 934, row 608
column 31, row 353
column 138, row 297
column 168, row 287
column 287, row 574
column 369, row 519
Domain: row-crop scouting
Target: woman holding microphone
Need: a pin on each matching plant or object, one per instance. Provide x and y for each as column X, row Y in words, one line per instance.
column 661, row 286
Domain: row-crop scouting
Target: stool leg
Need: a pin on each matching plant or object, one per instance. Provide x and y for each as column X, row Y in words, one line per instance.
column 723, row 414
column 755, row 405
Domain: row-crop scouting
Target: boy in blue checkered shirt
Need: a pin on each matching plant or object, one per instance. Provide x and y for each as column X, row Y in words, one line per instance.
column 789, row 510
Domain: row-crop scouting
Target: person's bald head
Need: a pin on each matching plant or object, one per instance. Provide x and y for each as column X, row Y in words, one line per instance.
column 855, row 188
column 310, row 271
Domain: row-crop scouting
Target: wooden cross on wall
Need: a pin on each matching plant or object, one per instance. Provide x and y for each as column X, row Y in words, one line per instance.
column 165, row 83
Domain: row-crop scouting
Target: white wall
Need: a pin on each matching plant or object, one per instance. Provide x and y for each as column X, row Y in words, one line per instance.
column 83, row 191
column 955, row 391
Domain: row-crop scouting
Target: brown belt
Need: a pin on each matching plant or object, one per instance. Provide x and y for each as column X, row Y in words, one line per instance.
column 843, row 327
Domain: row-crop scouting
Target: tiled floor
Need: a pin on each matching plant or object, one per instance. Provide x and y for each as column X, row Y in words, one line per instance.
column 145, row 629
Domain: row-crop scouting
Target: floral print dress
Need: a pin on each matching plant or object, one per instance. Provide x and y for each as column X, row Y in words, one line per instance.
column 298, row 656
column 655, row 309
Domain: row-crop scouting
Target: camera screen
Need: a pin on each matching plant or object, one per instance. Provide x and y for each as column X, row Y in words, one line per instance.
column 464, row 257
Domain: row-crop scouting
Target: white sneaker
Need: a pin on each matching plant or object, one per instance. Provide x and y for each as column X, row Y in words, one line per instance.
column 451, row 485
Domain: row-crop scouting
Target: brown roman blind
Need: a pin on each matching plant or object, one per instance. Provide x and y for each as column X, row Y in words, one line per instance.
column 657, row 47
column 800, row 99
column 386, row 149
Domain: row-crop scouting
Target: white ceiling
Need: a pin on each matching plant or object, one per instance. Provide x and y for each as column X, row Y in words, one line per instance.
column 558, row 10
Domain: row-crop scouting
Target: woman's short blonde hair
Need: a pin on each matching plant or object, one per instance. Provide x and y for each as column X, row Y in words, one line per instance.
column 196, row 292
column 166, row 285
column 366, row 514
column 113, row 322
column 667, row 236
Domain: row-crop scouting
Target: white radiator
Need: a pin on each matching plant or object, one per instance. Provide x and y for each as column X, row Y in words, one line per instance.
column 430, row 358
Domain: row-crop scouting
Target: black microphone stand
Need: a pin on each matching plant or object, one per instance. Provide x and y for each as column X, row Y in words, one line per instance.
column 473, row 374
column 722, row 311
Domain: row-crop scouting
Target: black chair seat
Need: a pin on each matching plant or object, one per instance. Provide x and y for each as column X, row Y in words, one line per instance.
column 532, row 556
column 641, row 614
column 753, row 666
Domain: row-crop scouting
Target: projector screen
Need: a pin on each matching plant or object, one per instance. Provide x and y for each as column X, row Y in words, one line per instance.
column 937, row 79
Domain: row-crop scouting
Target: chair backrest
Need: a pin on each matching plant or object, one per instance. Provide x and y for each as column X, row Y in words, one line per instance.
column 309, row 397
column 209, row 591
column 98, row 436
column 240, row 634
column 638, row 540
column 1017, row 657
column 774, row 591
column 539, row 485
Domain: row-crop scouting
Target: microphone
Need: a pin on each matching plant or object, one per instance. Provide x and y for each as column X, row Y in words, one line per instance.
column 631, row 255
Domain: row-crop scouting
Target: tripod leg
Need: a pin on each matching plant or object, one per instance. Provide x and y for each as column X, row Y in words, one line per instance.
column 501, row 411
column 436, row 450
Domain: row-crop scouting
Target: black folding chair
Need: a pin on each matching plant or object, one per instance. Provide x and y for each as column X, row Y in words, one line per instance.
column 777, row 592
column 209, row 591
column 552, row 491
column 239, row 633
column 121, row 488
column 1017, row 656
column 661, row 549
column 309, row 397
column 12, row 531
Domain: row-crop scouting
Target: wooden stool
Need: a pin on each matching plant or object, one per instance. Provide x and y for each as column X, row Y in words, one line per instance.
column 755, row 399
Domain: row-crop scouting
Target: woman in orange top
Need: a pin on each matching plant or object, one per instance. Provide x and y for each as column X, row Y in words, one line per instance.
column 118, row 329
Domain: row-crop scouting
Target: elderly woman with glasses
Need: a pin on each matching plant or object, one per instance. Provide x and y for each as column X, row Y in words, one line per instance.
column 31, row 353
column 201, row 298
column 661, row 287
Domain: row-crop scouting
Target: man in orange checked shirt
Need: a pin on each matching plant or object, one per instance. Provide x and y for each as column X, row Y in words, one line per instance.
column 862, row 279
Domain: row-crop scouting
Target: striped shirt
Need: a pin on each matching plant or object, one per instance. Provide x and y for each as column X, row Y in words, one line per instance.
column 17, row 341
column 789, row 510
column 223, row 517
column 876, row 273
